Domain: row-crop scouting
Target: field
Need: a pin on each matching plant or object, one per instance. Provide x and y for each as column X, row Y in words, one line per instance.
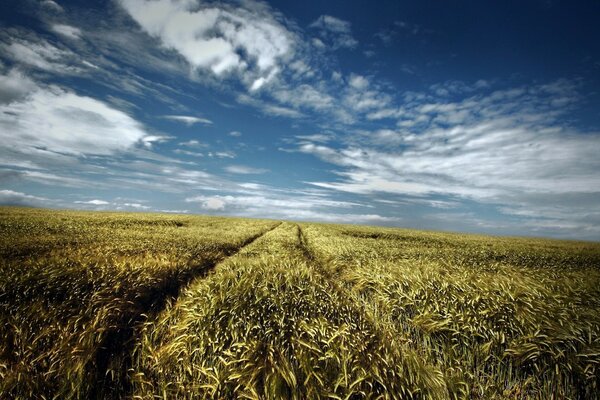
column 145, row 306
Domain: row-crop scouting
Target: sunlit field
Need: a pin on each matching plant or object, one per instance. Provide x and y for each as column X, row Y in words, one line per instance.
column 145, row 306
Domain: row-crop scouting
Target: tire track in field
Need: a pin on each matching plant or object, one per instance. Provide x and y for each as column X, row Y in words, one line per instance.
column 314, row 262
column 117, row 346
column 337, row 284
column 383, row 341
column 320, row 265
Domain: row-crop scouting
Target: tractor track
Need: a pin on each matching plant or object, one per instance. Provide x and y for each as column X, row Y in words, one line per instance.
column 313, row 260
column 118, row 344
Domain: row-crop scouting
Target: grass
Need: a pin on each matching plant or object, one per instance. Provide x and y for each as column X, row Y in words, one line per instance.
column 101, row 305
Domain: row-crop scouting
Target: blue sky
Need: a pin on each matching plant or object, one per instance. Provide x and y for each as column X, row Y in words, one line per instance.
column 461, row 116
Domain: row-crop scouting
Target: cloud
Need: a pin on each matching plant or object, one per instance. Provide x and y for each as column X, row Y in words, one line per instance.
column 335, row 31
column 188, row 153
column 280, row 72
column 248, row 41
column 269, row 108
column 401, row 28
column 261, row 202
column 10, row 197
column 94, row 202
column 318, row 138
column 193, row 143
column 51, row 5
column 188, row 120
column 213, row 203
column 15, row 86
column 61, row 121
column 244, row 170
column 42, row 55
column 150, row 140
column 136, row 206
column 358, row 82
column 68, row 31
column 269, row 201
column 363, row 97
column 503, row 147
column 222, row 154
column 173, row 211
column 97, row 204
column 235, row 133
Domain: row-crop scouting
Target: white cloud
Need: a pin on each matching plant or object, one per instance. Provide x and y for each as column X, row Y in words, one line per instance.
column 269, row 108
column 94, row 202
column 507, row 147
column 15, row 86
column 51, row 5
column 97, row 204
column 245, row 40
column 42, row 55
column 270, row 202
column 338, row 32
column 212, row 203
column 188, row 120
column 174, row 211
column 68, row 31
column 188, row 153
column 292, row 205
column 244, row 170
column 136, row 206
column 10, row 197
column 235, row 133
column 318, row 138
column 222, row 154
column 358, row 82
column 61, row 121
column 193, row 143
column 318, row 43
column 150, row 140
column 362, row 96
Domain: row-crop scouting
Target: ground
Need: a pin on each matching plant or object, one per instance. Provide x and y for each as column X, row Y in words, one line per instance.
column 123, row 305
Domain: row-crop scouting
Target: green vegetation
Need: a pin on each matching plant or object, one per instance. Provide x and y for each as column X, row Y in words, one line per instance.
column 101, row 305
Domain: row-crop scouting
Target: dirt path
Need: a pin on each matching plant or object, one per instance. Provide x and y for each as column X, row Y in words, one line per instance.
column 116, row 350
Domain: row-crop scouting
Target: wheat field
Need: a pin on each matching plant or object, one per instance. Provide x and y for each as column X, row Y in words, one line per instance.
column 145, row 306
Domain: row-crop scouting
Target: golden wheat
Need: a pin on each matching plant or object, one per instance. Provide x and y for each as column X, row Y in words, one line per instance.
column 90, row 306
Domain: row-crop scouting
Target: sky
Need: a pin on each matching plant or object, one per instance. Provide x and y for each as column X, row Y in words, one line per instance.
column 465, row 116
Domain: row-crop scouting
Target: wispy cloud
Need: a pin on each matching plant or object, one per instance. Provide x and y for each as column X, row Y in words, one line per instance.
column 193, row 143
column 51, row 5
column 263, row 201
column 244, row 170
column 67, row 31
column 399, row 29
column 502, row 147
column 42, row 55
column 188, row 120
column 335, row 31
column 94, row 202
